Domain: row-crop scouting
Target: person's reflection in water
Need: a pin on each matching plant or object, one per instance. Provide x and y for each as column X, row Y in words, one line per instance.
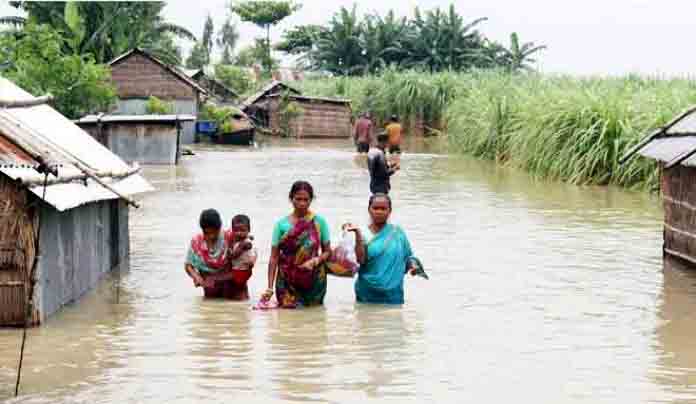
column 383, row 340
column 675, row 332
column 300, row 354
column 221, row 346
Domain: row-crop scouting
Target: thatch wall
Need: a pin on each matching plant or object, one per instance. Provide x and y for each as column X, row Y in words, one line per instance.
column 17, row 250
column 319, row 119
column 679, row 197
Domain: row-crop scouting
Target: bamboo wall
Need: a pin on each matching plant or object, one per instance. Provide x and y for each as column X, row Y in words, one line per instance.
column 679, row 198
column 17, row 249
column 319, row 119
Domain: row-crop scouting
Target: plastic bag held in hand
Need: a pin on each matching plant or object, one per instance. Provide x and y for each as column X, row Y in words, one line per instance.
column 343, row 261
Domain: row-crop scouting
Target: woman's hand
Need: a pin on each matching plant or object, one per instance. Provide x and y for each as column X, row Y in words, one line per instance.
column 350, row 227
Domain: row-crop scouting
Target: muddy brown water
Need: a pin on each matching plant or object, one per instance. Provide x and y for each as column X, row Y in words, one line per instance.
column 539, row 292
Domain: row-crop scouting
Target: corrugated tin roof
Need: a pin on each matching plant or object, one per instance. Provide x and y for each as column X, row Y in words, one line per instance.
column 11, row 155
column 135, row 118
column 42, row 131
column 667, row 149
column 685, row 125
column 189, row 72
column 265, row 90
column 172, row 69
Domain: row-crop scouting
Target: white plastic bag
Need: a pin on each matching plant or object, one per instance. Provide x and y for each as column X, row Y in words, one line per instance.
column 343, row 261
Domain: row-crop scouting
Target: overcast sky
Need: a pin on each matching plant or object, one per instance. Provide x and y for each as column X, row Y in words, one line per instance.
column 606, row 37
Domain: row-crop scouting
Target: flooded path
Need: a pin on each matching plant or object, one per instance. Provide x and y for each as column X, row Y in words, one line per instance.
column 539, row 292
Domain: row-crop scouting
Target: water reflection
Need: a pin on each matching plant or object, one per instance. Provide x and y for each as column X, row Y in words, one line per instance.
column 220, row 345
column 299, row 354
column 676, row 347
column 71, row 349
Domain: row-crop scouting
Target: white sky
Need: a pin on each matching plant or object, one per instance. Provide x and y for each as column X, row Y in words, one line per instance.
column 605, row 37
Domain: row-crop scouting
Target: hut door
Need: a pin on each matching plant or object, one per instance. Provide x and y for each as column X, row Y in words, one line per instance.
column 17, row 238
column 13, row 289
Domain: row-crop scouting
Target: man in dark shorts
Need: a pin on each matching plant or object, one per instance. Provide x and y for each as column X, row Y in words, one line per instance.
column 380, row 170
column 363, row 133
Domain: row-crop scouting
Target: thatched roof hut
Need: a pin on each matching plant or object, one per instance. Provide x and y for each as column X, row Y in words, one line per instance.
column 61, row 193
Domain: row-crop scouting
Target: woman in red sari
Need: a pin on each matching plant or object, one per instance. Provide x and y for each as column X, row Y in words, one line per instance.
column 300, row 247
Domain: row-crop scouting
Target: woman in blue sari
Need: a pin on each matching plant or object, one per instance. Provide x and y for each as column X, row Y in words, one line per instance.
column 384, row 254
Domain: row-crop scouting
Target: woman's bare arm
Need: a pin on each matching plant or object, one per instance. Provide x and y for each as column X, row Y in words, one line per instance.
column 273, row 266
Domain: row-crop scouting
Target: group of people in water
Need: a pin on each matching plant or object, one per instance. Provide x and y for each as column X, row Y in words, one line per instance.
column 222, row 261
column 380, row 167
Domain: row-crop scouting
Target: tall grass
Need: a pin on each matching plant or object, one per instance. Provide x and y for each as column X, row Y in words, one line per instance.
column 571, row 129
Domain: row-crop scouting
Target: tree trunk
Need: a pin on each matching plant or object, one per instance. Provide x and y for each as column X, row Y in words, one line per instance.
column 268, row 45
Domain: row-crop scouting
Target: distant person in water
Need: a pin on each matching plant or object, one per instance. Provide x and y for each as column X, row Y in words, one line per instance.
column 379, row 167
column 362, row 134
column 394, row 131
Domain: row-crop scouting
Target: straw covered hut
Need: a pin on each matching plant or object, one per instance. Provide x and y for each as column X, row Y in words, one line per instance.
column 674, row 148
column 63, row 208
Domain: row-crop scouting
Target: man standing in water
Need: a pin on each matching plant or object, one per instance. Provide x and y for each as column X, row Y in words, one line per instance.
column 394, row 130
column 363, row 133
column 380, row 170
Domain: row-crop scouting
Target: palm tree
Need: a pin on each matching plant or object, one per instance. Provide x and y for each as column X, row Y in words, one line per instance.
column 441, row 41
column 338, row 49
column 382, row 41
column 519, row 57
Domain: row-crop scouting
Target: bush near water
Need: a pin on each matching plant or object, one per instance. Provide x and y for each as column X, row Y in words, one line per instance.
column 556, row 127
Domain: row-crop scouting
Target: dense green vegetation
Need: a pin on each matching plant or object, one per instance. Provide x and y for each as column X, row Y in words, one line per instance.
column 558, row 127
column 434, row 41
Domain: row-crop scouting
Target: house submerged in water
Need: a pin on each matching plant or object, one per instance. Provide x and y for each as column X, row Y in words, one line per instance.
column 317, row 117
column 63, row 209
column 145, row 139
column 674, row 148
column 138, row 75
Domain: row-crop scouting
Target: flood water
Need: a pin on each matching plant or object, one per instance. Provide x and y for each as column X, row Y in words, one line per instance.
column 539, row 292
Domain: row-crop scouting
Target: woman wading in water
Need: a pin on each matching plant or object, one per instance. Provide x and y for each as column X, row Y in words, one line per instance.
column 384, row 254
column 300, row 247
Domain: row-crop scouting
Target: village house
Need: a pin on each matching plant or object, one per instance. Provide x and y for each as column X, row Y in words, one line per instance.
column 137, row 75
column 144, row 139
column 674, row 148
column 218, row 92
column 318, row 117
column 63, row 212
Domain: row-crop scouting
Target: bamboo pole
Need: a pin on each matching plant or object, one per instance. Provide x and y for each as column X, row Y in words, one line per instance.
column 81, row 177
column 5, row 103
